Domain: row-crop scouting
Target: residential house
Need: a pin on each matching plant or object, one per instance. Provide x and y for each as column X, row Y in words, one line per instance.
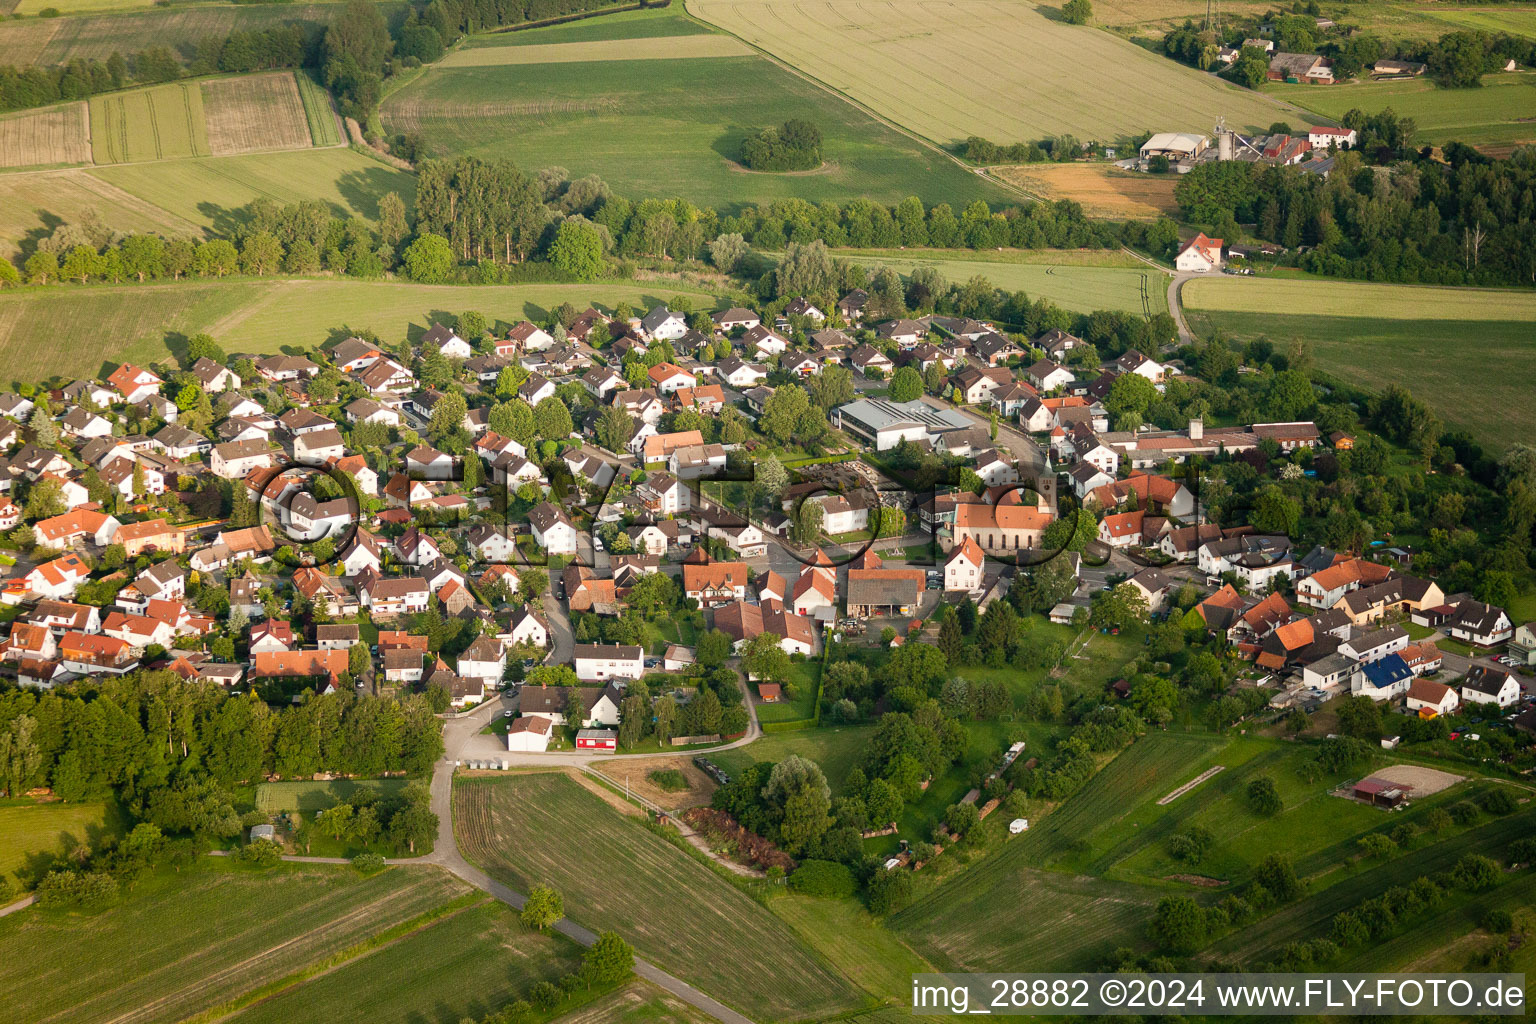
column 711, row 583
column 133, row 383
column 1382, row 680
column 741, row 622
column 1199, row 255
column 441, row 339
column 965, row 567
column 1480, row 624
column 608, row 661
column 1485, row 685
column 552, row 529
column 1430, row 698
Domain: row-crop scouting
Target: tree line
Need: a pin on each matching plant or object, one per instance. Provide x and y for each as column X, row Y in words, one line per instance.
column 1467, row 220
column 283, row 46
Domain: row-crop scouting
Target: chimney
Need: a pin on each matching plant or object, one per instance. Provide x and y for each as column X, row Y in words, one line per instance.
column 1196, row 429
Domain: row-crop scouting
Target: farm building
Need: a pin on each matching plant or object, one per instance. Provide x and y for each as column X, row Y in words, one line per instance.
column 1380, row 792
column 1178, row 147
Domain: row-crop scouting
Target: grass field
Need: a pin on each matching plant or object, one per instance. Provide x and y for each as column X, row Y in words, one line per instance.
column 646, row 24
column 1103, row 190
column 207, row 192
column 28, row 829
column 948, row 69
column 663, row 127
column 1517, row 21
column 180, row 26
column 32, row 204
column 1373, row 335
column 161, row 122
column 251, row 113
column 836, row 748
column 1001, row 914
column 183, row 942
column 645, row 48
column 1499, row 112
column 614, row 873
column 317, row 796
column 1079, row 288
column 866, row 951
column 639, row 1002
column 50, row 135
column 324, row 129
column 467, row 965
column 133, row 322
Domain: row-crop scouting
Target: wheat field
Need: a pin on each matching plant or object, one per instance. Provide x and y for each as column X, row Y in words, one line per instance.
column 253, row 113
column 54, row 135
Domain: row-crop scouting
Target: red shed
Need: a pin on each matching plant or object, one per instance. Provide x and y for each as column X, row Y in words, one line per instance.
column 599, row 740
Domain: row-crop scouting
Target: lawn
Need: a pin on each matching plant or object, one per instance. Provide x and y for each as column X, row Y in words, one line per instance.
column 209, row 192
column 804, row 676
column 948, row 70
column 1373, row 335
column 160, row 122
column 186, row 941
column 1082, row 289
column 317, row 796
column 466, row 965
column 28, row 828
column 546, row 829
column 1499, row 112
column 837, row 748
column 146, row 323
column 1520, row 21
column 669, row 127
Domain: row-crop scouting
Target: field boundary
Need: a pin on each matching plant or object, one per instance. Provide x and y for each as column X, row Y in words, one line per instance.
column 1191, row 784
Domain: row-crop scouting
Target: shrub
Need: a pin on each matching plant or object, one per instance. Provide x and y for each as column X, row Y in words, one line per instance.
column 260, row 854
column 1498, row 921
column 889, row 891
column 1497, row 801
column 368, row 863
column 824, row 878
column 75, row 888
column 669, row 779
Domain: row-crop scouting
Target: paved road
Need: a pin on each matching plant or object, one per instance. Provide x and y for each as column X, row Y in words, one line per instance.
column 21, row 904
column 1176, row 308
column 562, row 649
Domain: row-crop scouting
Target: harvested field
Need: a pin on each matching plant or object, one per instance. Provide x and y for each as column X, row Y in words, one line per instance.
column 649, row 48
column 634, row 772
column 158, row 123
column 948, row 69
column 1424, row 781
column 545, row 829
column 52, row 135
column 1103, row 191
column 255, row 112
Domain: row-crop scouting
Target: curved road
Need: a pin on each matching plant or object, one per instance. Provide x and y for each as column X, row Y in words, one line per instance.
column 1176, row 281
column 462, row 736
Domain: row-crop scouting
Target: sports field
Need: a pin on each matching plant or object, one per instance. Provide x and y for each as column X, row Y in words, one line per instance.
column 161, row 122
column 1499, row 112
column 51, row 135
column 1103, row 190
column 614, row 873
column 133, row 322
column 1373, row 335
column 208, row 192
column 464, row 966
column 1071, row 286
column 28, row 828
column 662, row 126
column 251, row 113
column 185, row 941
column 179, row 26
column 1004, row 70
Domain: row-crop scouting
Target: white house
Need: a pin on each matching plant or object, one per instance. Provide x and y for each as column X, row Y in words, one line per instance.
column 552, row 529
column 1484, row 685
column 447, row 342
column 1427, row 695
column 528, row 628
column 1327, row 138
column 1199, row 255
column 964, row 568
column 661, row 324
column 1382, row 680
column 608, row 661
column 529, row 734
